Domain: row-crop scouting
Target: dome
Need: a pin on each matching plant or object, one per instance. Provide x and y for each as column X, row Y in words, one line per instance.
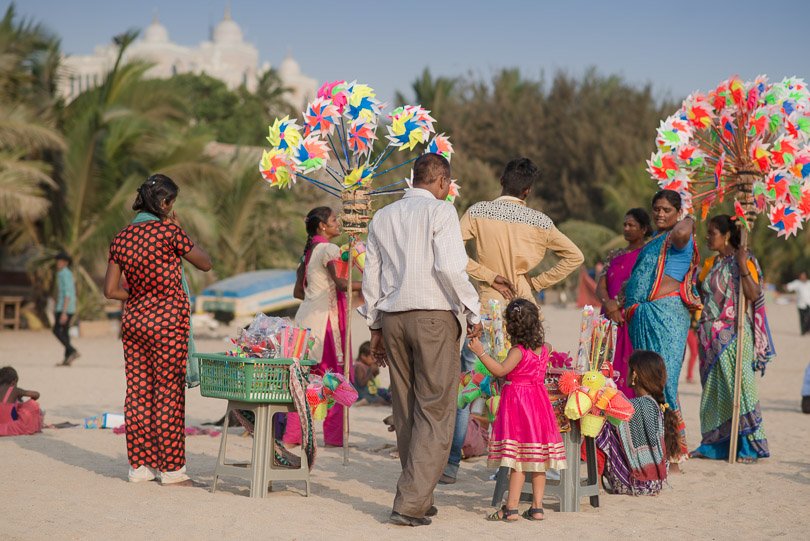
column 289, row 67
column 227, row 31
column 156, row 32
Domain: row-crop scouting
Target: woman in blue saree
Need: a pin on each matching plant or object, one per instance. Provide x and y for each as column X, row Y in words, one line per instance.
column 661, row 292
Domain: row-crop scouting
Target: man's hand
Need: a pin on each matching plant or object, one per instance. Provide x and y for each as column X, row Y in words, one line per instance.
column 504, row 287
column 474, row 331
column 63, row 319
column 378, row 347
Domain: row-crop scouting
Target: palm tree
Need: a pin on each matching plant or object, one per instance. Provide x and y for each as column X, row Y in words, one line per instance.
column 27, row 133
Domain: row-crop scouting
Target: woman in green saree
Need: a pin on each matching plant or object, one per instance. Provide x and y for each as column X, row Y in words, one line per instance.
column 720, row 281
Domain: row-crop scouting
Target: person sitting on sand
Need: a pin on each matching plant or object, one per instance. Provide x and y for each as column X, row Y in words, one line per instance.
column 634, row 456
column 17, row 418
column 365, row 377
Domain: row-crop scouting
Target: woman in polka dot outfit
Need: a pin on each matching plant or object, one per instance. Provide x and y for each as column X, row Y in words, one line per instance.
column 155, row 331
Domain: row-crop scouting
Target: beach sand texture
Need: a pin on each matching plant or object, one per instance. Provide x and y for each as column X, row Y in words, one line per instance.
column 71, row 483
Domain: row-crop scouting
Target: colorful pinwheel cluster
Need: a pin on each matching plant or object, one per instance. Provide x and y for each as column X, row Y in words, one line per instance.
column 717, row 142
column 337, row 135
column 410, row 125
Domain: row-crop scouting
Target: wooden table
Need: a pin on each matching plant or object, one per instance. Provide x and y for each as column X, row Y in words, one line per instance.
column 10, row 305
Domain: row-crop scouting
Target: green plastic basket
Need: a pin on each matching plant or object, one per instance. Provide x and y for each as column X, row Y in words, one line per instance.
column 246, row 380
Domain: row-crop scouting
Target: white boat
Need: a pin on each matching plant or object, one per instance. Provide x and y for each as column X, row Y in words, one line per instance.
column 249, row 293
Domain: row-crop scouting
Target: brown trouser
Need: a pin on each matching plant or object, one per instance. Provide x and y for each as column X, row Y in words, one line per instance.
column 423, row 351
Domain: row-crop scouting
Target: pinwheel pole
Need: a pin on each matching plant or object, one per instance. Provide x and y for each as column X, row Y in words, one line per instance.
column 745, row 185
column 355, row 218
column 344, row 119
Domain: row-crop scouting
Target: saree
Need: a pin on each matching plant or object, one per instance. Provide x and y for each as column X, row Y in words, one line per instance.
column 617, row 271
column 717, row 332
column 635, row 456
column 660, row 324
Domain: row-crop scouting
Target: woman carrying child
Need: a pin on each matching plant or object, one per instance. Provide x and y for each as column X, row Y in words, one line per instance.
column 525, row 435
column 17, row 418
column 634, row 456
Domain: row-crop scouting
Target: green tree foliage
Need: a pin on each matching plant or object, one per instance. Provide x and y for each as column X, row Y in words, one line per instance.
column 233, row 116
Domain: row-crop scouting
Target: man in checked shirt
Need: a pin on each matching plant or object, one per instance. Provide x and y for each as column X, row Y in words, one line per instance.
column 416, row 288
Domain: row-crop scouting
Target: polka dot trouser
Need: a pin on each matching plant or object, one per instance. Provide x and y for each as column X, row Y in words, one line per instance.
column 155, row 402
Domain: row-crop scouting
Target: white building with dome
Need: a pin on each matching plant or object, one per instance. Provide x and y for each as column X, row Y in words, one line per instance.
column 227, row 57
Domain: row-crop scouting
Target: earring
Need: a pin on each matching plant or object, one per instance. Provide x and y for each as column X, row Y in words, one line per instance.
column 633, row 379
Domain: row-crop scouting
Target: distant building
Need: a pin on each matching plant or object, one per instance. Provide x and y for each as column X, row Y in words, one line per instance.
column 227, row 57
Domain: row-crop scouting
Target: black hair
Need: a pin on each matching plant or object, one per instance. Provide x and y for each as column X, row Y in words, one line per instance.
column 519, row 175
column 430, row 167
column 365, row 349
column 154, row 191
column 313, row 221
column 523, row 324
column 8, row 376
column 673, row 197
column 726, row 224
column 649, row 372
column 64, row 256
column 643, row 218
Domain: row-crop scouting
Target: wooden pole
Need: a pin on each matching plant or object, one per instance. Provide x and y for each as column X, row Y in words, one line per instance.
column 741, row 312
column 745, row 182
column 347, row 350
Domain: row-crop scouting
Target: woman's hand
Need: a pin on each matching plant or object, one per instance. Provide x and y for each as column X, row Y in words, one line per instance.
column 476, row 346
column 614, row 312
column 172, row 219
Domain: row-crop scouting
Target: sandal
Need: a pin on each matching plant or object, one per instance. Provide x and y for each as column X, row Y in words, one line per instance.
column 529, row 513
column 746, row 460
column 502, row 515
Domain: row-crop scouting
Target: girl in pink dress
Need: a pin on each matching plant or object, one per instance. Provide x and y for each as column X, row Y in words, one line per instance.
column 17, row 418
column 525, row 435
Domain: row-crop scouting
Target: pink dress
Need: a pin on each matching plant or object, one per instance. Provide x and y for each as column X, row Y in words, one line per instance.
column 525, row 435
column 19, row 418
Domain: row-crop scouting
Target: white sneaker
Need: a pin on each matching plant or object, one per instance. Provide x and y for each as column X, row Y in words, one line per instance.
column 141, row 474
column 172, row 477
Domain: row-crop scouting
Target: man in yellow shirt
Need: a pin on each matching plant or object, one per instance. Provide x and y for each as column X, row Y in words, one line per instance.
column 511, row 239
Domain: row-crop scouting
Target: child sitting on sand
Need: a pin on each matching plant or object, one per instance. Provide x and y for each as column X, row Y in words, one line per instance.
column 634, row 456
column 365, row 377
column 17, row 418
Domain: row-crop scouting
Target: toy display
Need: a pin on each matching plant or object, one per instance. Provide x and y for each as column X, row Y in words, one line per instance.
column 272, row 337
column 325, row 391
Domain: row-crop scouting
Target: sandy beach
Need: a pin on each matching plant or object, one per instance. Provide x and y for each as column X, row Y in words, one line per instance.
column 71, row 483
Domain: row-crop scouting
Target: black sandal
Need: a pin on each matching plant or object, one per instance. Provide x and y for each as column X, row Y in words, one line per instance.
column 503, row 516
column 529, row 513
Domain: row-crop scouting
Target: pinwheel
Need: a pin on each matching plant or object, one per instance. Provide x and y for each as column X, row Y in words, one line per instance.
column 361, row 136
column 310, row 155
column 320, row 117
column 277, row 168
column 284, row 134
column 440, row 144
column 363, row 103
